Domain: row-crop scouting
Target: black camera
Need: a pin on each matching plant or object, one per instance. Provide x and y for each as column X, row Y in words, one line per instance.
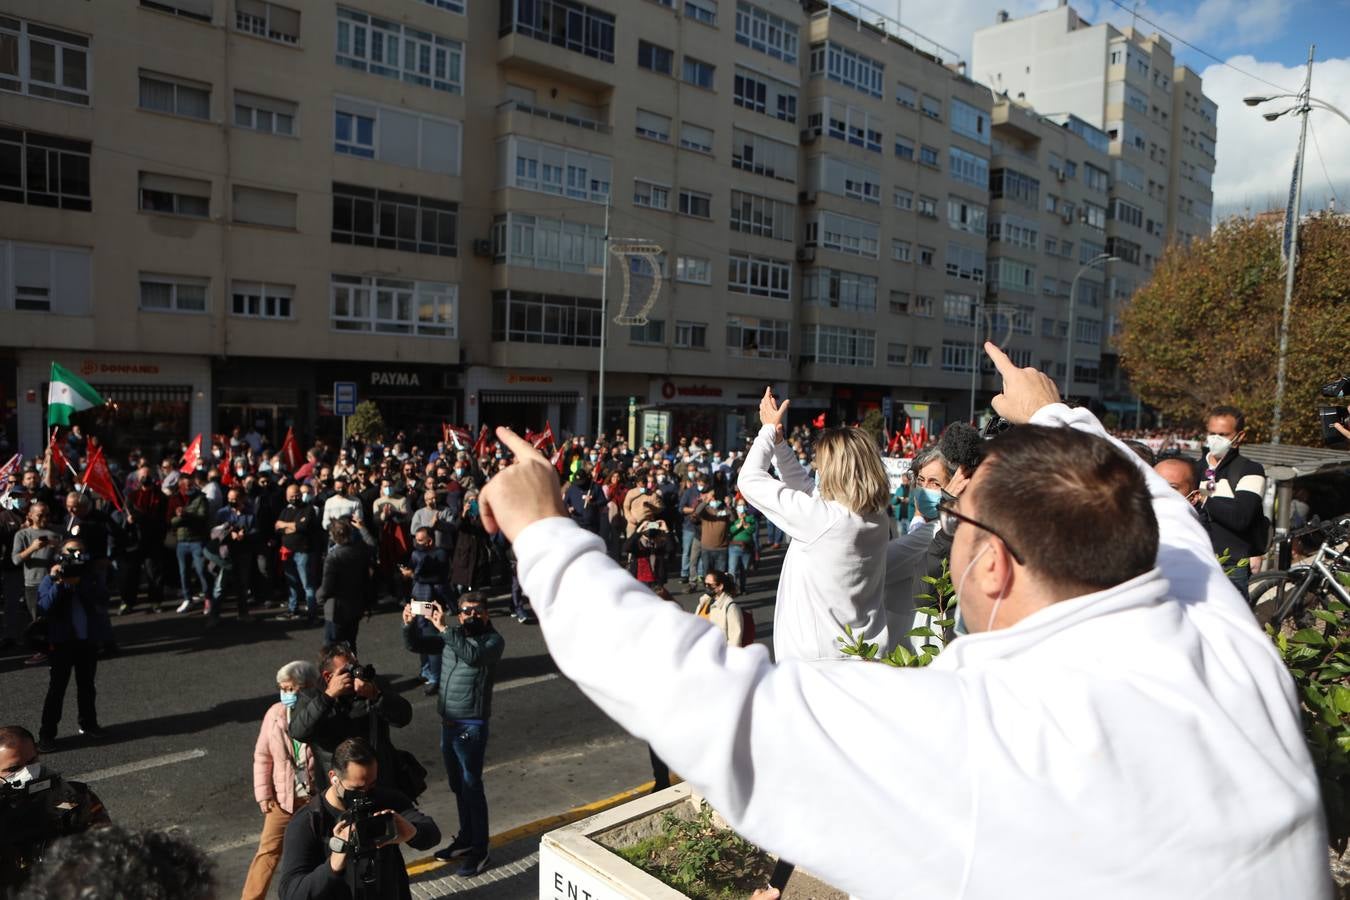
column 1333, row 415
column 369, row 830
column 359, row 672
column 73, row 562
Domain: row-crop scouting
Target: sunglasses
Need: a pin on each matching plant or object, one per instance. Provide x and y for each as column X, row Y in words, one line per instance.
column 949, row 518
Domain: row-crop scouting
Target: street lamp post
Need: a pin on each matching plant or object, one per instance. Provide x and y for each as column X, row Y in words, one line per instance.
column 1073, row 297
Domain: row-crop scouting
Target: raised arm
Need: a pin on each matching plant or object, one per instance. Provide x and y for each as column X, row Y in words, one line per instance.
column 798, row 512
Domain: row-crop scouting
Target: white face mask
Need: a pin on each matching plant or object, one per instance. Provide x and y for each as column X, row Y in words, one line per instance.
column 1218, row 445
column 993, row 613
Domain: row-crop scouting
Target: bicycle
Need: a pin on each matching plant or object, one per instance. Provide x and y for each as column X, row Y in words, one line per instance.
column 1279, row 596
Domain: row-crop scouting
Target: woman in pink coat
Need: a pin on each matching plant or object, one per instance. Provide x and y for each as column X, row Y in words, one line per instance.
column 283, row 775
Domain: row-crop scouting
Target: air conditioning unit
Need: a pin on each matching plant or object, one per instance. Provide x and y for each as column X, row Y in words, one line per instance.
column 1059, row 175
column 482, row 247
column 806, row 198
column 806, row 254
column 808, row 136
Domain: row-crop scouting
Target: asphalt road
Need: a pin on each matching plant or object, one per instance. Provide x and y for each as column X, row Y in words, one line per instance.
column 183, row 706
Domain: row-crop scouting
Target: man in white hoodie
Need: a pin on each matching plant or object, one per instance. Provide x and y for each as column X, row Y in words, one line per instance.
column 1115, row 725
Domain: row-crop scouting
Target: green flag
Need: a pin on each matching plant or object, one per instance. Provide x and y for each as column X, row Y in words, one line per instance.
column 68, row 393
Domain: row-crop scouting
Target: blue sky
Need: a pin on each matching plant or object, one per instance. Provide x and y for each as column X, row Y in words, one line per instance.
column 1265, row 38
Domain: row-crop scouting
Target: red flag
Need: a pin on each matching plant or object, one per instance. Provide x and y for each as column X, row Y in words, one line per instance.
column 59, row 460
column 290, row 451
column 894, row 443
column 445, row 434
column 8, row 472
column 923, row 437
column 558, row 462
column 227, row 468
column 530, row 436
column 544, row 437
column 460, row 437
column 480, row 446
column 909, row 434
column 98, row 479
column 193, row 456
column 819, row 421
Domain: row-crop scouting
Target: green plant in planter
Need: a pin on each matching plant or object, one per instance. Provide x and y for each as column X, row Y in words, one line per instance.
column 943, row 600
column 699, row 859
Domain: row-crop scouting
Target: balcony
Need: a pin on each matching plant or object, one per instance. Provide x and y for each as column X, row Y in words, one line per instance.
column 559, row 38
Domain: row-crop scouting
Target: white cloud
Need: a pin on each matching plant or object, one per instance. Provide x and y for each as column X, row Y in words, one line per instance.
column 1255, row 157
column 1216, row 25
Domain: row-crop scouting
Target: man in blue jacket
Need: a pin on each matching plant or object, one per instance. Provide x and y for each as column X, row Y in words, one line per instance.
column 470, row 650
column 76, row 609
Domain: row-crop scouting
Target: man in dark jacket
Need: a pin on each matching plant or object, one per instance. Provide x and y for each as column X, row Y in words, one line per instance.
column 236, row 536
column 1232, row 489
column 585, row 502
column 349, row 707
column 144, row 524
column 429, row 570
column 75, row 606
column 298, row 526
column 345, row 589
column 320, row 861
column 470, row 650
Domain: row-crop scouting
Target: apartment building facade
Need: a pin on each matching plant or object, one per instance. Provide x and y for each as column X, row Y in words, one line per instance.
column 1161, row 129
column 218, row 208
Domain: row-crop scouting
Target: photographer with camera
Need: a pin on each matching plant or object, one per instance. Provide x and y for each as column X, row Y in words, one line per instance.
column 75, row 605
column 351, row 701
column 37, row 806
column 344, row 844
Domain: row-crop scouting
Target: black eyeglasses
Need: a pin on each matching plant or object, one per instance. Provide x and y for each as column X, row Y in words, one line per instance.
column 949, row 518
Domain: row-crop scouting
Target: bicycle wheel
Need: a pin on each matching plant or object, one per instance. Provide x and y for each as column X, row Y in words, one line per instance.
column 1271, row 594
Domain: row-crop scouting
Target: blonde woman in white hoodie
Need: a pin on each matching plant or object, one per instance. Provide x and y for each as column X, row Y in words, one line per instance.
column 834, row 571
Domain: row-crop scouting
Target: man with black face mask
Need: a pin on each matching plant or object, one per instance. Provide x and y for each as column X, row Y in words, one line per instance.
column 469, row 650
column 585, row 501
column 324, row 858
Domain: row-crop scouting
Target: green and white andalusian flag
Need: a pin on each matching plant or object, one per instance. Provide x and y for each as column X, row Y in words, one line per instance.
column 68, row 394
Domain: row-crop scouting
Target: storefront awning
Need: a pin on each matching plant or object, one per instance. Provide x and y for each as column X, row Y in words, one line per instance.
column 528, row 397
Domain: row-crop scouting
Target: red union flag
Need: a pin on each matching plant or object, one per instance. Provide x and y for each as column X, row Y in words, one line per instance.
column 460, row 437
column 290, row 451
column 98, row 479
column 819, row 421
column 544, row 437
column 193, row 456
column 480, row 446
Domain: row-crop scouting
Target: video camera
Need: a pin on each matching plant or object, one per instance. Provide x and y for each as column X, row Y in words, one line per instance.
column 1331, row 415
column 35, row 809
column 73, row 562
column 369, row 830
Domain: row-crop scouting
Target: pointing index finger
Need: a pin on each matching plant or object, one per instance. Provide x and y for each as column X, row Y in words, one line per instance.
column 522, row 448
column 1004, row 365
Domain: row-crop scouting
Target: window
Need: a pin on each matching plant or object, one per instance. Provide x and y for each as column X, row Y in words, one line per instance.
column 762, row 94
column 704, row 11
column 1128, row 213
column 692, row 335
column 762, row 216
column 693, row 270
column 928, row 207
column 1088, row 331
column 1051, row 244
column 926, row 256
column 173, row 293
column 906, row 96
column 255, row 206
column 969, row 121
column 396, row 135
column 382, row 47
column 1128, row 173
column 1050, row 286
column 762, row 338
column 969, row 168
column 1014, row 185
column 922, row 307
column 904, row 147
column 268, row 20
column 1128, row 251
column 761, row 30
column 696, row 137
column 958, row 356
column 697, row 73
column 1096, row 179
column 536, row 242
column 966, row 216
column 394, row 306
column 262, row 301
column 655, row 58
column 266, row 114
column 839, row 290
column 845, row 234
column 368, row 217
column 1018, row 232
column 175, row 196
column 931, row 107
column 553, row 169
column 958, row 309
column 837, row 345
column 653, row 125
column 845, row 179
column 175, row 96
column 188, row 9
column 45, row 279
column 1012, row 274
column 899, row 303
column 844, row 122
column 1093, row 216
column 763, row 156
column 43, row 62
column 760, row 276
column 650, row 195
column 44, row 170
column 928, row 156
column 1086, row 371
column 903, row 199
column 564, row 23
column 966, row 263
column 918, row 357
column 902, row 251
column 1051, row 203
column 696, row 204
column 847, row 67
column 654, row 332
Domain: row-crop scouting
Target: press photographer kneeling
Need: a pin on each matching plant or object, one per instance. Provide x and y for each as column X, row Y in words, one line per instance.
column 344, row 844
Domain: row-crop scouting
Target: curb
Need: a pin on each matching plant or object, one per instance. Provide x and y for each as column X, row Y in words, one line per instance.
column 539, row 826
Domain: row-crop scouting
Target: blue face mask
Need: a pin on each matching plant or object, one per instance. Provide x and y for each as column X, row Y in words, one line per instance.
column 288, row 698
column 927, row 500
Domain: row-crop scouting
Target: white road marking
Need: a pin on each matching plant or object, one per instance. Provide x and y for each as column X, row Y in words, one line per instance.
column 153, row 762
column 524, row 682
column 246, row 841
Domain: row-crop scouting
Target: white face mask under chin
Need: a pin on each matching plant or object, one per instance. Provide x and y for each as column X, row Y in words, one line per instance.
column 993, row 613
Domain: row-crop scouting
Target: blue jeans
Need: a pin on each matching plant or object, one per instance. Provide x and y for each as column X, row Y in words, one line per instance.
column 775, row 535
column 431, row 662
column 711, row 561
column 193, row 549
column 740, row 556
column 689, row 554
column 300, row 576
column 463, row 747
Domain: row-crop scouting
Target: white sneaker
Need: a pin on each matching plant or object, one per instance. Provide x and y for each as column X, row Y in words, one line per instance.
column 184, row 606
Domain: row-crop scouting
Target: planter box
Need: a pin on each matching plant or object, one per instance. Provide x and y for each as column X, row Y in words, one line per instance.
column 576, row 862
